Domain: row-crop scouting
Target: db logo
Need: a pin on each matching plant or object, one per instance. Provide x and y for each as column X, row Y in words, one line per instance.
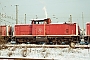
column 40, row 30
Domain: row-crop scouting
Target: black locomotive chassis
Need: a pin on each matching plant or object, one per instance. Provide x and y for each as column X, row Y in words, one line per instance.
column 47, row 39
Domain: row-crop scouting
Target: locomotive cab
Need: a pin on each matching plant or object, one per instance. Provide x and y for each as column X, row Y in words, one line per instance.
column 39, row 29
column 41, row 21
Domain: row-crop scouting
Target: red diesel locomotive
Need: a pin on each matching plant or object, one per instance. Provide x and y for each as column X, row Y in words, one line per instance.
column 43, row 31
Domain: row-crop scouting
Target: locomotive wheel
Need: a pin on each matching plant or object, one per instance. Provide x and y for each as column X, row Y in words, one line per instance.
column 72, row 45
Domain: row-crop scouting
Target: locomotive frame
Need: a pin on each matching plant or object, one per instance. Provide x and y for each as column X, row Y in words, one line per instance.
column 39, row 37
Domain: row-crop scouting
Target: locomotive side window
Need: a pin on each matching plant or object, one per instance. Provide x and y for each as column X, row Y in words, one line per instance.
column 37, row 22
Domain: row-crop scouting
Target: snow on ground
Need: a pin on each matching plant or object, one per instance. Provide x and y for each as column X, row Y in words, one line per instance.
column 47, row 53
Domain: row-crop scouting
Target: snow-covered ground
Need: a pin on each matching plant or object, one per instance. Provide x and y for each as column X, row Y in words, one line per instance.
column 46, row 53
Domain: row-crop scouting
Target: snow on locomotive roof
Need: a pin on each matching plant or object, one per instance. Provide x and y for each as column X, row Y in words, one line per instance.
column 39, row 19
column 22, row 24
column 56, row 23
column 63, row 23
column 87, row 22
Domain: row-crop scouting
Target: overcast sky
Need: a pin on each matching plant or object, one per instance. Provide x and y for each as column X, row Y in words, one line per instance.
column 61, row 9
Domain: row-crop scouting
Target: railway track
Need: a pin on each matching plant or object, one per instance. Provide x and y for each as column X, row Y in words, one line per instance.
column 39, row 52
column 44, row 46
column 24, row 58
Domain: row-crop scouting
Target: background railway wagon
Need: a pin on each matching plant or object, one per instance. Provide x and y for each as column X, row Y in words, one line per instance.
column 5, row 32
column 87, row 35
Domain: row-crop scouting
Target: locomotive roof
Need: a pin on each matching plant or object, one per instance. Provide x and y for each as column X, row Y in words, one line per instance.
column 22, row 24
column 88, row 23
column 39, row 19
column 63, row 23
